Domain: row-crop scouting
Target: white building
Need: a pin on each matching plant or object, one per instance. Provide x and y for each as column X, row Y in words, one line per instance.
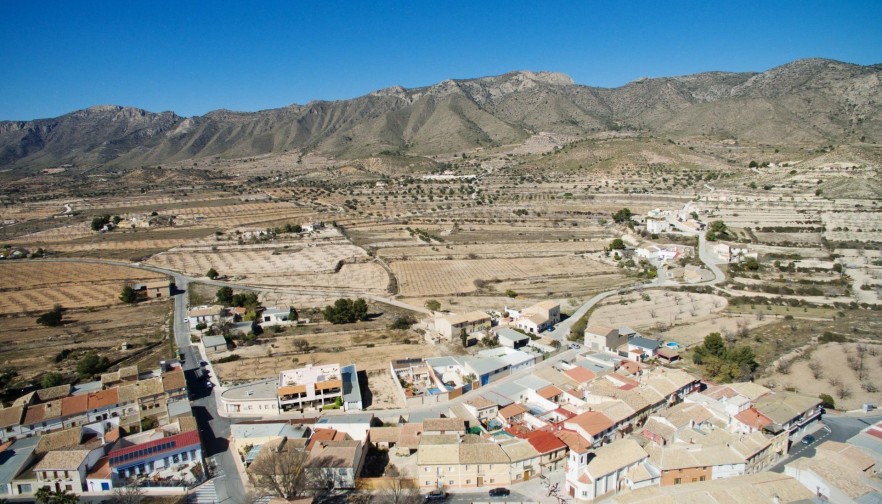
column 205, row 314
column 656, row 226
column 622, row 465
column 310, row 386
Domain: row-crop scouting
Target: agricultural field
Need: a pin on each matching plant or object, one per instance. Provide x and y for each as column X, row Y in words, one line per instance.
column 450, row 277
column 34, row 286
column 849, row 372
column 31, row 349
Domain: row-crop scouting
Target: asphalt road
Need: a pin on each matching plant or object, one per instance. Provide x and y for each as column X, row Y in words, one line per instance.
column 838, row 428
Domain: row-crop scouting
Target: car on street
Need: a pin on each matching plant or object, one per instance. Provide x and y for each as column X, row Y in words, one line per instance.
column 436, row 496
column 209, row 385
column 808, row 439
column 575, row 346
column 499, row 492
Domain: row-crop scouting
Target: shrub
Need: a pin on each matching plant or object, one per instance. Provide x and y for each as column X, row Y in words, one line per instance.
column 212, row 273
column 402, row 322
column 91, row 364
column 128, row 295
column 52, row 318
column 827, row 401
column 229, row 358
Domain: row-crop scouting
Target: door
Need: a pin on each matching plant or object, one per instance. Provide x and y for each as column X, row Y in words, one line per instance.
column 480, row 481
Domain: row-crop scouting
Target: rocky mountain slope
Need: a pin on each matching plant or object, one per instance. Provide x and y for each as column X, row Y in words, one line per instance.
column 805, row 101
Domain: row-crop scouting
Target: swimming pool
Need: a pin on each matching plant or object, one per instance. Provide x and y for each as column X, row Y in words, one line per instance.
column 672, row 344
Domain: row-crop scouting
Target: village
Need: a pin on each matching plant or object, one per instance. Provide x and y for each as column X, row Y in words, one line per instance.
column 533, row 404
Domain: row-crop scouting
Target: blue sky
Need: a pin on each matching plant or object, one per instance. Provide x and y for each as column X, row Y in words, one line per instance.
column 195, row 56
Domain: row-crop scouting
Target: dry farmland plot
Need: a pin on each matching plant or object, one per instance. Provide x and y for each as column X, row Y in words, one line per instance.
column 316, row 259
column 332, row 347
column 425, row 278
column 662, row 307
column 360, row 277
column 525, row 249
column 833, row 364
column 30, row 348
column 34, row 286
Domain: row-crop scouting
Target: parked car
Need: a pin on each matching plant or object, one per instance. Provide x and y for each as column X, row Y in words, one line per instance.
column 499, row 492
column 203, row 363
column 575, row 346
column 808, row 439
column 209, row 385
column 436, row 495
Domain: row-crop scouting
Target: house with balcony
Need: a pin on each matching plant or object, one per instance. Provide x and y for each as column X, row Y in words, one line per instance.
column 309, row 387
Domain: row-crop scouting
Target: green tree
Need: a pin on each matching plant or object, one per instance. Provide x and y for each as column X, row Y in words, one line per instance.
column 622, row 216
column 91, row 364
column 346, row 311
column 212, row 273
column 714, row 345
column 510, row 293
column 47, row 496
column 292, row 314
column 464, row 338
column 224, row 296
column 100, row 222
column 360, row 309
column 52, row 318
column 433, row 304
column 617, row 244
column 51, row 380
column 128, row 295
column 827, row 401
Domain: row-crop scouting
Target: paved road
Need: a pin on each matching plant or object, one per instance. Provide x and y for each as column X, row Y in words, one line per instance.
column 839, row 428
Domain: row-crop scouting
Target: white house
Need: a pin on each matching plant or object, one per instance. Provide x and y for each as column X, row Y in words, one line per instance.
column 205, row 314
column 656, row 226
column 275, row 316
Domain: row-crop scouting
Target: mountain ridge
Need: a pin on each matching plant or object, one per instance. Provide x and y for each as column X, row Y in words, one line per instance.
column 811, row 100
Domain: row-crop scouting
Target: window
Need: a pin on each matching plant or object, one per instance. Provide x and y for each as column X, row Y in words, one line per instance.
column 468, row 482
column 427, row 469
column 69, row 488
column 428, row 483
column 677, row 481
column 451, row 482
column 701, row 478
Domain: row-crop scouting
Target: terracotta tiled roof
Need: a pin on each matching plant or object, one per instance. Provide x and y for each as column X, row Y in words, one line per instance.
column 545, row 442
column 580, row 374
column 573, row 440
column 549, row 392
column 101, row 469
column 753, row 418
column 73, row 405
column 103, row 398
column 512, row 410
column 320, row 435
column 592, row 422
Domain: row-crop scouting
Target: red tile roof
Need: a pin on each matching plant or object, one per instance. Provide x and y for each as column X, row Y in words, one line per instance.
column 592, row 422
column 753, row 418
column 325, row 435
column 103, row 398
column 573, row 440
column 73, row 405
column 580, row 374
column 545, row 442
column 549, row 392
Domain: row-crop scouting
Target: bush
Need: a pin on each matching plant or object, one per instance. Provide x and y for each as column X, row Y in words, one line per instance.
column 402, row 322
column 128, row 295
column 224, row 296
column 91, row 364
column 212, row 273
column 52, row 318
column 827, row 401
column 229, row 358
column 51, row 380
